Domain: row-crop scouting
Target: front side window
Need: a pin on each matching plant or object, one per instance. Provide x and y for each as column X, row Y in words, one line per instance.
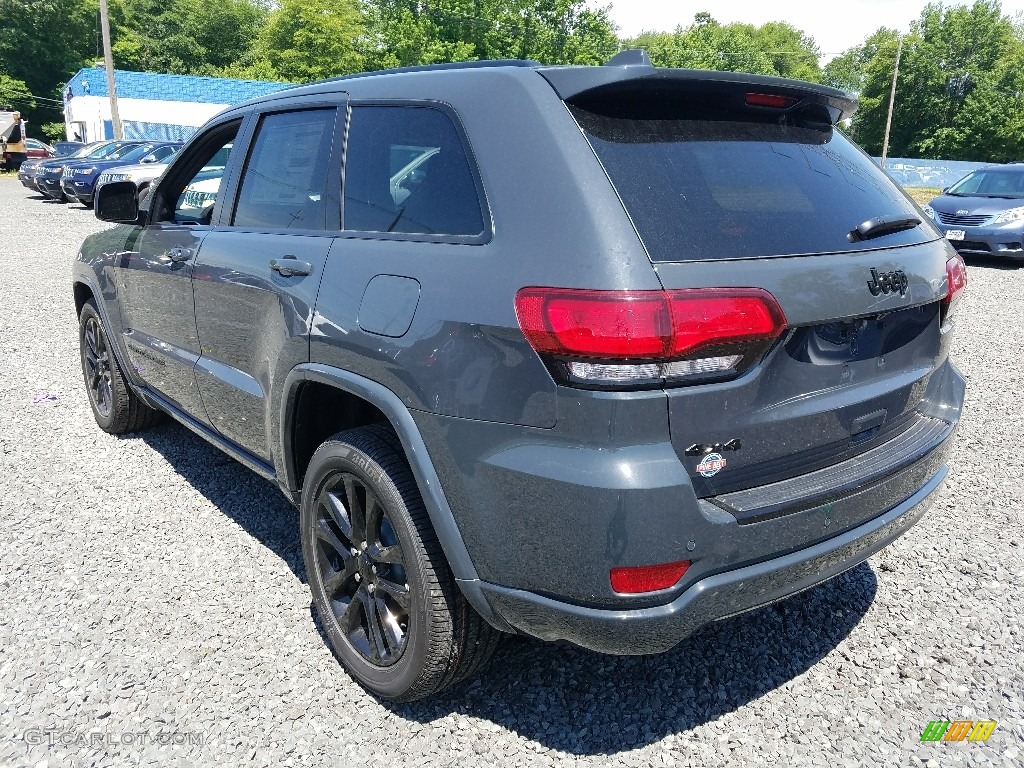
column 193, row 191
column 283, row 183
column 406, row 170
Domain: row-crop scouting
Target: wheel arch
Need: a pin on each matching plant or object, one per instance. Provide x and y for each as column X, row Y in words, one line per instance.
column 390, row 407
column 83, row 292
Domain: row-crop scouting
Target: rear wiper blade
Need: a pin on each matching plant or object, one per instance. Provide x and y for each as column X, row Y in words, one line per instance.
column 882, row 225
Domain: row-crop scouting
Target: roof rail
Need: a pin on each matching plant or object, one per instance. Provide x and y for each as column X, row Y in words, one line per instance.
column 483, row 64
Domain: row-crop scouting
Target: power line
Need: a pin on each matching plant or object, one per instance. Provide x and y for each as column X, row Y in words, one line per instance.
column 27, row 95
column 26, row 99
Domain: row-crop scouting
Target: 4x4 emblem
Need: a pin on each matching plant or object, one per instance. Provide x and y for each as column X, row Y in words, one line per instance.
column 888, row 282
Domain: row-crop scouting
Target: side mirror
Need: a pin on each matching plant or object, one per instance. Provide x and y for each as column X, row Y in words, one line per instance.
column 945, row 190
column 117, row 202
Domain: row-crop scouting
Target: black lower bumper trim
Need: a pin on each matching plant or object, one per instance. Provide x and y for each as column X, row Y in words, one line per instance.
column 659, row 628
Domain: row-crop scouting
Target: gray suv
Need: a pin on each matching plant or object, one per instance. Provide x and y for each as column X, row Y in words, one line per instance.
column 595, row 354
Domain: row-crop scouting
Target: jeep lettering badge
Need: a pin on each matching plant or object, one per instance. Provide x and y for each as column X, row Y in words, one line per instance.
column 888, row 282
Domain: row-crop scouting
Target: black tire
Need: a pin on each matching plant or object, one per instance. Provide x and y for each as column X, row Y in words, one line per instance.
column 117, row 409
column 394, row 572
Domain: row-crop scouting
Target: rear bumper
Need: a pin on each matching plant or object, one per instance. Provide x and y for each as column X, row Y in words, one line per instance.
column 659, row 628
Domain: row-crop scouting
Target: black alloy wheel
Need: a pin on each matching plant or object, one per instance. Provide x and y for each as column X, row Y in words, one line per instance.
column 96, row 361
column 115, row 406
column 362, row 569
column 382, row 589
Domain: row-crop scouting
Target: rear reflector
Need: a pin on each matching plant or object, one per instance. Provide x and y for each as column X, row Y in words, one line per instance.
column 770, row 100
column 956, row 277
column 647, row 578
column 645, row 337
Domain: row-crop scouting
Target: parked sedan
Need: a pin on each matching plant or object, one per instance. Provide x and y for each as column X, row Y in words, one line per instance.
column 49, row 172
column 983, row 213
column 79, row 179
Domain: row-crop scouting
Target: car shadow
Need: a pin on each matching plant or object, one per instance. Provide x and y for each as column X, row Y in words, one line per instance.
column 255, row 504
column 583, row 703
column 560, row 696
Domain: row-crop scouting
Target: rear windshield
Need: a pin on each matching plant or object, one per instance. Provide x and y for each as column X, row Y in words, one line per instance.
column 724, row 189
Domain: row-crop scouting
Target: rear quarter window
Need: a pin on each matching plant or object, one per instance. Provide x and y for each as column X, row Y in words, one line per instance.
column 701, row 189
column 407, row 171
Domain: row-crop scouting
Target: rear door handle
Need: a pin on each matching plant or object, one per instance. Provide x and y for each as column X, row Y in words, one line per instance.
column 289, row 266
column 178, row 254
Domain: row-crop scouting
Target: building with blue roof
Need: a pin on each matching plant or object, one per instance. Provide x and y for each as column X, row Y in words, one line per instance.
column 151, row 106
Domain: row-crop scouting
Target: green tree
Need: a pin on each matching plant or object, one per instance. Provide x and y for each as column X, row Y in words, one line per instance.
column 407, row 32
column 311, row 39
column 15, row 93
column 775, row 48
column 43, row 43
column 195, row 37
column 959, row 88
column 847, row 71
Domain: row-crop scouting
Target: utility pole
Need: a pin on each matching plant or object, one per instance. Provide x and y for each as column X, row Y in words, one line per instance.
column 892, row 100
column 108, row 59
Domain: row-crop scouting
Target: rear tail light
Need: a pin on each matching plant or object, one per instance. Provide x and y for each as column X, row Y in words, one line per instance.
column 647, row 578
column 648, row 338
column 956, row 278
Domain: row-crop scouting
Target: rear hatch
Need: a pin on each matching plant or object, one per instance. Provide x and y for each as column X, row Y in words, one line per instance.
column 736, row 181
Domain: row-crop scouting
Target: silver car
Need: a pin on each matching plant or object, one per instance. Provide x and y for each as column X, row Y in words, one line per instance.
column 983, row 213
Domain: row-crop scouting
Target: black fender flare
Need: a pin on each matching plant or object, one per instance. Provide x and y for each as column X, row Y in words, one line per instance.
column 427, row 480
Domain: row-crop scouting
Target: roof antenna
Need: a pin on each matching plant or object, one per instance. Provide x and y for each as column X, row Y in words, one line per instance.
column 632, row 57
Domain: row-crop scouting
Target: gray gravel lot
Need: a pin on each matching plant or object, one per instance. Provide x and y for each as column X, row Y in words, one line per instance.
column 152, row 590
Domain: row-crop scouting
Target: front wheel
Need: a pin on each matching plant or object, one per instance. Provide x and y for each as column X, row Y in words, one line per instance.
column 380, row 583
column 115, row 406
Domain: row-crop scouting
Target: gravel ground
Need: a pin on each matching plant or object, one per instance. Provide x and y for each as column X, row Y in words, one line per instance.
column 152, row 590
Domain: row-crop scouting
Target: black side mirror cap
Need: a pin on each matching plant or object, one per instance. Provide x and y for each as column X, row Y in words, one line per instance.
column 118, row 202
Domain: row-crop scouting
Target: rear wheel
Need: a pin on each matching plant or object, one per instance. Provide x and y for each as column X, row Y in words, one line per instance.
column 381, row 586
column 115, row 406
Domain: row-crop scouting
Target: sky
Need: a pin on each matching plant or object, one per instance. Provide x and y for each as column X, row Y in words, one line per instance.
column 835, row 26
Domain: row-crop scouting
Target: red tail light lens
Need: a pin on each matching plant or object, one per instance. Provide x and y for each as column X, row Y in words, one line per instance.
column 647, row 578
column 773, row 100
column 682, row 335
column 707, row 317
column 607, row 324
column 956, row 277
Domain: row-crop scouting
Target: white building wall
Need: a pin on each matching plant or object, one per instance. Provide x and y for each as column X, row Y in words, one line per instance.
column 90, row 112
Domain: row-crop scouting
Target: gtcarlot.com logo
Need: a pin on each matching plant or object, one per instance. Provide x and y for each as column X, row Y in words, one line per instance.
column 128, row 739
column 958, row 730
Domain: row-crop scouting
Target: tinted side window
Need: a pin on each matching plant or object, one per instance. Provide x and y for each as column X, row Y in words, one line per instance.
column 406, row 170
column 283, row 183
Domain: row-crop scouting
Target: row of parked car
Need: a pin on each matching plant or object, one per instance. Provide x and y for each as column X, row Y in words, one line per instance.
column 78, row 175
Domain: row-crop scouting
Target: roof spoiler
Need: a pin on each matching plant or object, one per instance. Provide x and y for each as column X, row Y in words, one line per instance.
column 633, row 68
